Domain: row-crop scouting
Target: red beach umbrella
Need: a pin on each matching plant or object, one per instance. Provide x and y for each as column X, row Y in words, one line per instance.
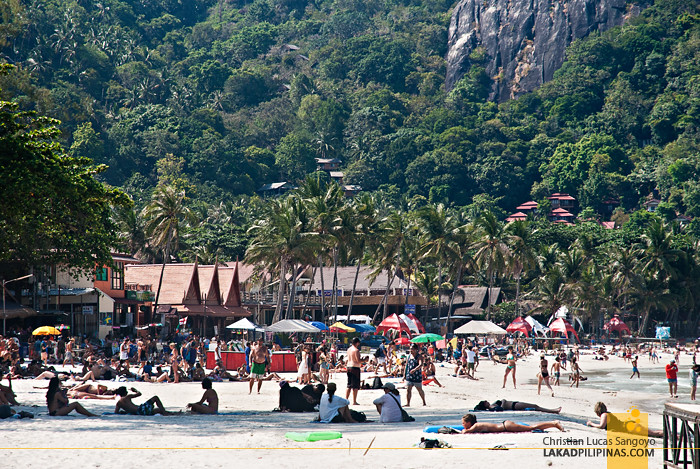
column 413, row 318
column 395, row 323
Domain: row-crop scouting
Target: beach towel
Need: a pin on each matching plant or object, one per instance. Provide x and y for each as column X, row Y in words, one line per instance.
column 313, row 436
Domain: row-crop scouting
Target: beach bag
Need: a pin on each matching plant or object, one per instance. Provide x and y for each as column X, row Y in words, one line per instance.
column 377, row 383
column 404, row 415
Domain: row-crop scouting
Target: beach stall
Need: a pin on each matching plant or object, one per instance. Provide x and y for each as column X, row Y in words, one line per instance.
column 519, row 325
column 564, row 327
column 480, row 328
column 286, row 361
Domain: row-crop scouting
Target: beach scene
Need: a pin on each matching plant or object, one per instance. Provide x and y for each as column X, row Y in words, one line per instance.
column 340, row 233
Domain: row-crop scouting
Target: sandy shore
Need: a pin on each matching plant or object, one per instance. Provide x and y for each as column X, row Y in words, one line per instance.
column 248, row 432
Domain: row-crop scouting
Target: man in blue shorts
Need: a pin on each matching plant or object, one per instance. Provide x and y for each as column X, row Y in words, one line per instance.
column 150, row 407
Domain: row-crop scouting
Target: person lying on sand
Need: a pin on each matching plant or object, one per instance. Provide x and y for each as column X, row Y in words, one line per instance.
column 57, row 401
column 150, row 407
column 608, row 418
column 209, row 396
column 503, row 404
column 91, row 391
column 507, row 426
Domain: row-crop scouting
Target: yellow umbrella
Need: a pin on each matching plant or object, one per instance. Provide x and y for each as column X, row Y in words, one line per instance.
column 46, row 330
column 340, row 327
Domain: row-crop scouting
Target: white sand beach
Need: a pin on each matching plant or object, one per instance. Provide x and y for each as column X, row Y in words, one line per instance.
column 247, row 433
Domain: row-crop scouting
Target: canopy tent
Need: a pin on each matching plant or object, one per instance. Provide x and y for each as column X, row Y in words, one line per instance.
column 480, row 328
column 319, row 325
column 563, row 312
column 393, row 322
column 616, row 325
column 363, row 327
column 410, row 323
column 413, row 318
column 341, row 328
column 292, row 325
column 245, row 325
column 519, row 325
column 537, row 327
column 562, row 326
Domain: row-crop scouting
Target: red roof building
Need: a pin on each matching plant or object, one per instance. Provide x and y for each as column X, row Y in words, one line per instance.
column 560, row 200
column 516, row 216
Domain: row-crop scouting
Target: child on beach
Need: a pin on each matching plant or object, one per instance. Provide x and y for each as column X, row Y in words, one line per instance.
column 556, row 369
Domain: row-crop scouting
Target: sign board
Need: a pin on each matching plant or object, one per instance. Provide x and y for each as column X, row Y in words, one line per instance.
column 407, row 291
column 88, row 309
column 329, row 293
column 409, row 309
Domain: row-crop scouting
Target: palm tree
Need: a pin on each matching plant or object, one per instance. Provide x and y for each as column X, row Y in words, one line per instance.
column 523, row 253
column 492, row 252
column 131, row 232
column 166, row 218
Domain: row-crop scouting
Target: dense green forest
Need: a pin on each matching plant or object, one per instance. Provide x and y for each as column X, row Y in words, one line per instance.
column 222, row 97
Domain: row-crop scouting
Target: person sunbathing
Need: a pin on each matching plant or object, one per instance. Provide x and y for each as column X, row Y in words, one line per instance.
column 150, row 407
column 503, row 404
column 57, row 401
column 507, row 426
column 210, row 397
column 91, row 391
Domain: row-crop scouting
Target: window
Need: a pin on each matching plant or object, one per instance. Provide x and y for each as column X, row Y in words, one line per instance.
column 101, row 274
column 117, row 276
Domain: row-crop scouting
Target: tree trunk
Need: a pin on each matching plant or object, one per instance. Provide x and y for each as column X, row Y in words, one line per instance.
column 292, row 293
column 386, row 296
column 645, row 321
column 308, row 294
column 439, row 289
column 162, row 271
column 335, row 285
column 280, row 290
column 488, row 305
column 354, row 286
column 517, row 296
column 323, row 289
column 452, row 297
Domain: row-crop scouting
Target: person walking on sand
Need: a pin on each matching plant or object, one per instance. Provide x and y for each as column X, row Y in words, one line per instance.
column 556, row 369
column 259, row 357
column 635, row 370
column 209, row 396
column 575, row 372
column 69, row 352
column 414, row 376
column 694, row 372
column 672, row 378
column 510, row 366
column 543, row 375
column 353, row 370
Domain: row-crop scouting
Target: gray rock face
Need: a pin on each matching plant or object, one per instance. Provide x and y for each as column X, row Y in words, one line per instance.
column 523, row 41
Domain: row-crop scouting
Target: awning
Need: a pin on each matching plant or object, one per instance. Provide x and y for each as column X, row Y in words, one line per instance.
column 480, row 328
column 292, row 325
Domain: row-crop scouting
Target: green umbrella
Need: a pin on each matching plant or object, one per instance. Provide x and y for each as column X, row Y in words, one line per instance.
column 423, row 338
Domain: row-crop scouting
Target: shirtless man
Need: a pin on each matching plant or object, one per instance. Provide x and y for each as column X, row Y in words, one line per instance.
column 150, row 407
column 259, row 357
column 210, row 397
column 69, row 353
column 471, row 426
column 556, row 369
column 353, row 370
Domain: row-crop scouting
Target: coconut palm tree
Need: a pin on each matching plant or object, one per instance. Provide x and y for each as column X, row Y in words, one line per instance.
column 522, row 250
column 166, row 218
column 492, row 252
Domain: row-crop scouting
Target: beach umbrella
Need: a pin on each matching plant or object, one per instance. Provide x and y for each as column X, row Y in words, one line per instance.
column 394, row 323
column 243, row 324
column 364, row 328
column 46, row 330
column 341, row 328
column 402, row 341
column 63, row 327
column 562, row 326
column 425, row 338
column 319, row 325
column 519, row 325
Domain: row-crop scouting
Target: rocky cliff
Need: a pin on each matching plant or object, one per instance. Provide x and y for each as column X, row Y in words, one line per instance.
column 522, row 42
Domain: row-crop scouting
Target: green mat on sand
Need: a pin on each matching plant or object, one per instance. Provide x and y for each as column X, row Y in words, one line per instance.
column 313, row 436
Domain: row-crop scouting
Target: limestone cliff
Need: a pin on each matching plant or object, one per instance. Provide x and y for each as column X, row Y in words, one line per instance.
column 523, row 41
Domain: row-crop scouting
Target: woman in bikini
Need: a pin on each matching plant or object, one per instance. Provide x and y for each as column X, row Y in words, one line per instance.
column 575, row 372
column 91, row 391
column 507, row 426
column 543, row 375
column 510, row 366
column 174, row 362
column 58, row 404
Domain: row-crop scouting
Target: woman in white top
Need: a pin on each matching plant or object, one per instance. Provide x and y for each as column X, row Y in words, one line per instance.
column 389, row 405
column 303, row 373
column 334, row 409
